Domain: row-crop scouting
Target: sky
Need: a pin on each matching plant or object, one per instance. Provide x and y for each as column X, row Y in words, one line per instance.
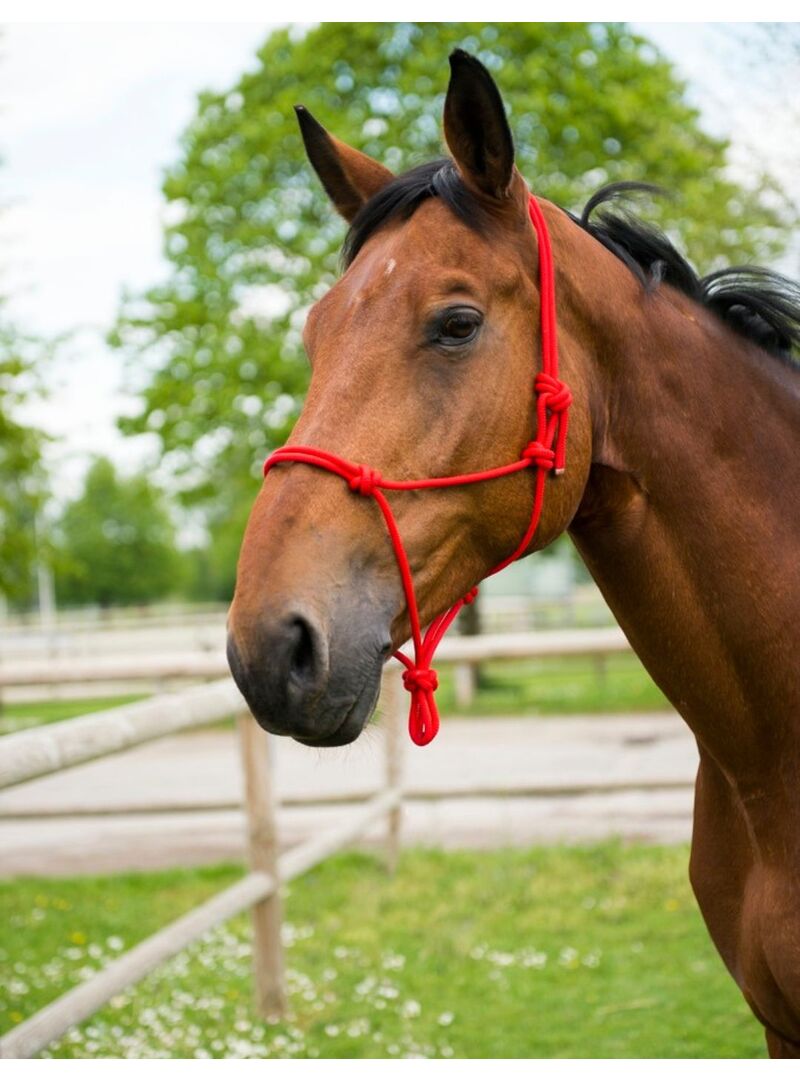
column 90, row 116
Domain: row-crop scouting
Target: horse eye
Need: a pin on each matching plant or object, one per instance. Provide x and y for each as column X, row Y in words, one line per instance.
column 458, row 326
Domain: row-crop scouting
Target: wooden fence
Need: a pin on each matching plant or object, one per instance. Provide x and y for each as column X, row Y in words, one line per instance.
column 30, row 754
column 465, row 652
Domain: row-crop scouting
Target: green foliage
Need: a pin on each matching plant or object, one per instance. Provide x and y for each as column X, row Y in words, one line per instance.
column 551, row 952
column 252, row 240
column 21, row 715
column 117, row 542
column 211, row 569
column 22, row 481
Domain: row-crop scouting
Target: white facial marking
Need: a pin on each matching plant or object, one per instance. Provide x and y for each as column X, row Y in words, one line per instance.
column 390, row 265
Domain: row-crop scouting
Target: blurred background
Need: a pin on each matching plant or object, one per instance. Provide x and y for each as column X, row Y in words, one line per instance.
column 162, row 239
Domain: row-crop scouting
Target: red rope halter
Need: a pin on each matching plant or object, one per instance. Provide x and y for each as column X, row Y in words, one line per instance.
column 545, row 452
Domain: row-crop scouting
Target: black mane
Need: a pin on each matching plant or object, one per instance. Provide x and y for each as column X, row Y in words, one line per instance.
column 761, row 305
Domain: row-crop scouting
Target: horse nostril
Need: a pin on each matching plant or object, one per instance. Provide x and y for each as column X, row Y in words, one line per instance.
column 305, row 653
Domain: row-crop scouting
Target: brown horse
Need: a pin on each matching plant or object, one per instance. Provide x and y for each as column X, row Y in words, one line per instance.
column 682, row 487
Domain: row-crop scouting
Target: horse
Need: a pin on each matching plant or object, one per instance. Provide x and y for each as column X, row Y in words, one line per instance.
column 681, row 489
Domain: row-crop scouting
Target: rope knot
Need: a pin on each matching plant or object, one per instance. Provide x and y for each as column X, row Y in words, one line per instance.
column 539, row 455
column 364, row 480
column 557, row 395
column 420, row 679
column 471, row 596
column 553, row 396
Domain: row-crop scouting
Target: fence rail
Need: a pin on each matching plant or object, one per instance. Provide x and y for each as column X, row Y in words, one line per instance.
column 26, row 755
column 606, row 641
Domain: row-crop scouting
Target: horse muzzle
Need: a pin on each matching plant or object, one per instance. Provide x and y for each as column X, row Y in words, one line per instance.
column 314, row 679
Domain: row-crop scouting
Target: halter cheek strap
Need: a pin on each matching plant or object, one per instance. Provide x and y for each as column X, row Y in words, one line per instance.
column 544, row 453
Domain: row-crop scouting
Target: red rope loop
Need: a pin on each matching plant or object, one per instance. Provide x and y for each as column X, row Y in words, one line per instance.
column 365, row 480
column 546, row 451
column 423, row 717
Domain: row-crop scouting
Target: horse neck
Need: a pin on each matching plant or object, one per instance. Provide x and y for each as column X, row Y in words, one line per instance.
column 691, row 517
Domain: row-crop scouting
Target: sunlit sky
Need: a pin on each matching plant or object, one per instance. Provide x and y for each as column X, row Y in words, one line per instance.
column 91, row 116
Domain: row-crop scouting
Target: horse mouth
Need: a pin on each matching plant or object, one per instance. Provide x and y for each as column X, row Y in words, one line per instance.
column 354, row 722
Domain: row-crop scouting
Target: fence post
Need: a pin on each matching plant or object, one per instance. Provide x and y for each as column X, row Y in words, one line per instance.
column 262, row 850
column 464, row 679
column 392, row 712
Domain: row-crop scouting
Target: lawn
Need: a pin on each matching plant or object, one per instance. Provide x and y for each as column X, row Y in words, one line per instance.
column 552, row 952
column 558, row 686
column 15, row 716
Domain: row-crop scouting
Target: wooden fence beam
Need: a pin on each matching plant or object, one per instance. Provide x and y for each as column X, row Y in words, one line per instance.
column 207, row 665
column 26, row 755
column 392, row 716
column 262, row 847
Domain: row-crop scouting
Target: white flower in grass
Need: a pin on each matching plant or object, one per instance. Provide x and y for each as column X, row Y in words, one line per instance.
column 410, row 1009
column 116, row 944
column 393, row 962
column 357, row 1028
column 533, row 959
column 445, row 1019
column 366, row 986
column 568, row 957
column 332, row 1030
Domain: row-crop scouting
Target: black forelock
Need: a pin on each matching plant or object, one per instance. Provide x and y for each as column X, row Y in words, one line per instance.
column 400, row 198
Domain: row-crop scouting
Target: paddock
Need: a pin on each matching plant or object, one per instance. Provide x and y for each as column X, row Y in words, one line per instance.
column 28, row 757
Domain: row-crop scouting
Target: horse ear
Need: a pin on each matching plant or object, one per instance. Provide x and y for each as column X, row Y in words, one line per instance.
column 349, row 177
column 476, row 128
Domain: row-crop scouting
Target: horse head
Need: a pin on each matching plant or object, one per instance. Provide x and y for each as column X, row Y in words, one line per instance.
column 423, row 358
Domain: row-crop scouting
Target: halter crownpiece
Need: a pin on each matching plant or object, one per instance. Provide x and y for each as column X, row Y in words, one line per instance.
column 546, row 452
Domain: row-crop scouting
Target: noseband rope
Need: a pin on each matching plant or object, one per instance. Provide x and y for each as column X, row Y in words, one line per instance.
column 544, row 453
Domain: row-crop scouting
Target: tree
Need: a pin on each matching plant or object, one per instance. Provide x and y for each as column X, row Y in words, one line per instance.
column 22, row 479
column 252, row 240
column 117, row 542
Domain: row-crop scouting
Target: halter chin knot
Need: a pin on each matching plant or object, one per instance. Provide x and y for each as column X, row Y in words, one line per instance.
column 415, row 679
column 365, row 480
column 539, row 455
column 557, row 394
column 471, row 596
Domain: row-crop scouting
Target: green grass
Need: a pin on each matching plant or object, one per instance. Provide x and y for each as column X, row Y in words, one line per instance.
column 552, row 952
column 14, row 716
column 556, row 687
